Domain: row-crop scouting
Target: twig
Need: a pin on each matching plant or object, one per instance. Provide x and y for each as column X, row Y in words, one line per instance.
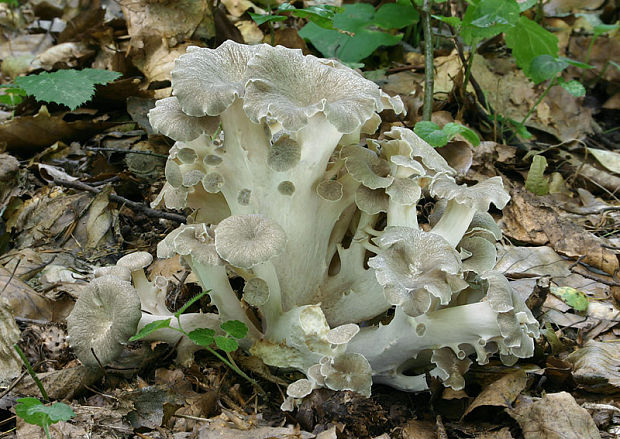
column 13, row 384
column 427, row 110
column 127, row 151
column 154, row 213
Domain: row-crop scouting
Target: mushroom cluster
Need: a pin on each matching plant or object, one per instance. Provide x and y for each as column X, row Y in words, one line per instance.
column 323, row 227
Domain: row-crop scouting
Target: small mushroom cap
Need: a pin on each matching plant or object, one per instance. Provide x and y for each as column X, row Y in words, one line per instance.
column 349, row 371
column 299, row 388
column 286, row 188
column 122, row 273
column 256, row 292
column 190, row 239
column 364, row 166
column 173, row 173
column 450, row 368
column 135, row 261
column 284, row 154
column 103, row 319
column 168, row 119
column 371, row 201
column 342, row 334
column 419, row 148
column 247, row 240
column 404, row 191
column 330, row 190
column 478, row 196
column 213, row 182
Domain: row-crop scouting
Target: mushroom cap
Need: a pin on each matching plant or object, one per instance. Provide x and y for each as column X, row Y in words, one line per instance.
column 419, row 148
column 256, row 291
column 299, row 388
column 349, row 371
column 284, row 154
column 478, row 196
column 122, row 273
column 135, row 261
column 413, row 265
column 286, row 188
column 364, row 166
column 190, row 239
column 247, row 240
column 371, row 201
column 342, row 334
column 207, row 81
column 291, row 88
column 330, row 190
column 103, row 319
column 168, row 119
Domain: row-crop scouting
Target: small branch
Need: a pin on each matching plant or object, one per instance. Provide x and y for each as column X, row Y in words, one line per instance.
column 427, row 110
column 153, row 213
column 126, row 151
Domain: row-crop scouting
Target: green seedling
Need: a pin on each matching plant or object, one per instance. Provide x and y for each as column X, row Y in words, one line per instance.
column 438, row 137
column 34, row 412
column 536, row 182
column 205, row 337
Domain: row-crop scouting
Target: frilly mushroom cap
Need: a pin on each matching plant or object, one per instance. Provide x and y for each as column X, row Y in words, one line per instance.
column 103, row 319
column 478, row 196
column 349, row 371
column 168, row 119
column 290, row 87
column 483, row 254
column 404, row 191
column 207, row 81
column 190, row 240
column 213, row 182
column 284, row 154
column 192, row 177
column 299, row 388
column 247, row 240
column 419, row 148
column 173, row 173
column 371, row 201
column 413, row 264
column 450, row 369
column 122, row 273
column 135, row 261
column 364, row 166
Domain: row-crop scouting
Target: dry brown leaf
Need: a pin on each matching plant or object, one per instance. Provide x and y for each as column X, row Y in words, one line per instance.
column 596, row 367
column 534, row 220
column 560, row 8
column 29, row 133
column 415, row 429
column 603, row 50
column 554, row 416
column 504, row 433
column 60, row 384
column 500, row 393
column 22, row 299
column 220, row 429
column 10, row 363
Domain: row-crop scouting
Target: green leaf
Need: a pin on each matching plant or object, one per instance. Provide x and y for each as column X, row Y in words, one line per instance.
column 34, row 412
column 431, row 133
column 536, row 182
column 574, row 298
column 235, row 328
column 396, row 15
column 358, row 42
column 202, row 336
column 545, row 67
column 528, row 39
column 263, row 18
column 455, row 22
column 574, row 87
column 488, row 18
column 321, row 15
column 525, row 5
column 604, row 28
column 67, row 87
column 150, row 328
column 575, row 63
column 452, row 129
column 13, row 95
column 226, row 344
column 190, row 302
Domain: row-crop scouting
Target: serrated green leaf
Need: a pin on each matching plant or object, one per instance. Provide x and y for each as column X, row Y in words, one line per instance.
column 358, row 42
column 545, row 67
column 263, row 18
column 67, row 87
column 396, row 15
column 235, row 328
column 488, row 18
column 455, row 22
column 226, row 344
column 528, row 39
column 34, row 412
column 431, row 133
column 536, row 181
column 202, row 336
column 574, row 298
column 56, row 412
column 470, row 135
column 574, row 87
column 150, row 328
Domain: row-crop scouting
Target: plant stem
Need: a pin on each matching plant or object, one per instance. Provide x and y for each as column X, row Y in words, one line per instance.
column 470, row 63
column 428, row 60
column 550, row 84
column 32, row 373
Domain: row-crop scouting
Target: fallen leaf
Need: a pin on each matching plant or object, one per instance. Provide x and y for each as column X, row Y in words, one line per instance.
column 416, row 429
column 609, row 159
column 596, row 367
column 22, row 299
column 500, row 393
column 10, row 363
column 554, row 416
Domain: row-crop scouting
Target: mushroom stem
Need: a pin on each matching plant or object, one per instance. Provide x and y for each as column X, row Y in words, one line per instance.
column 454, row 222
column 402, row 215
column 147, row 293
column 271, row 310
column 214, row 279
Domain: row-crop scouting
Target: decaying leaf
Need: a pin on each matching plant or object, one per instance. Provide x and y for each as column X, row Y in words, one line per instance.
column 500, row 393
column 554, row 416
column 609, row 159
column 22, row 299
column 10, row 363
column 536, row 182
column 596, row 367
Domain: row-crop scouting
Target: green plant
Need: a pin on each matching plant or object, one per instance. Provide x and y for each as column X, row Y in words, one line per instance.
column 66, row 87
column 34, row 412
column 536, row 182
column 438, row 137
column 233, row 330
column 360, row 30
